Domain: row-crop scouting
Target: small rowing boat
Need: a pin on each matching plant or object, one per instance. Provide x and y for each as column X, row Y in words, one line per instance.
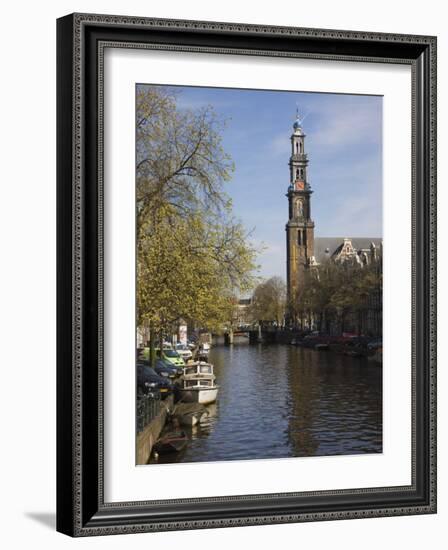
column 171, row 443
column 189, row 414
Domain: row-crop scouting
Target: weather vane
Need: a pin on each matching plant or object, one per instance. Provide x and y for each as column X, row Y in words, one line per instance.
column 300, row 118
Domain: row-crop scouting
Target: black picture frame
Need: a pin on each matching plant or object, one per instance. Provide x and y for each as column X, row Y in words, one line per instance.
column 81, row 510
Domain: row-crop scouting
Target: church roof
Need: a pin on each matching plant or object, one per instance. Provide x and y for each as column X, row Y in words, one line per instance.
column 333, row 243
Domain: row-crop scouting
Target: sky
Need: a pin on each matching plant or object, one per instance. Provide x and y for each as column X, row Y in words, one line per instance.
column 344, row 146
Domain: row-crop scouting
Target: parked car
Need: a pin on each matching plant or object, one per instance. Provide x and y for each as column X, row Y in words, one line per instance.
column 169, row 355
column 165, row 368
column 172, row 356
column 148, row 380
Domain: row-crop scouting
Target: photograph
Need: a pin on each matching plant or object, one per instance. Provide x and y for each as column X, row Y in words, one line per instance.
column 246, row 274
column 221, row 254
column 259, row 274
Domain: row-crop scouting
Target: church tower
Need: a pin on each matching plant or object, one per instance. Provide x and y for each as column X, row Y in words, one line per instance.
column 300, row 226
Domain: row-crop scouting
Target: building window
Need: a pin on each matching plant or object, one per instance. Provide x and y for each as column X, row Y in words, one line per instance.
column 299, row 237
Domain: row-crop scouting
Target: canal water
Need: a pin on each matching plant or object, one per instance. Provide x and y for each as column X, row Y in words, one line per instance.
column 280, row 401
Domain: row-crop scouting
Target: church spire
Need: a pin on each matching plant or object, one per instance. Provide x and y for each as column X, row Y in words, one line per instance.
column 298, row 161
column 300, row 226
column 299, row 119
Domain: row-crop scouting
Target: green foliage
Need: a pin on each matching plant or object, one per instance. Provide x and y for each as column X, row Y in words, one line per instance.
column 332, row 290
column 193, row 256
column 180, row 159
column 269, row 301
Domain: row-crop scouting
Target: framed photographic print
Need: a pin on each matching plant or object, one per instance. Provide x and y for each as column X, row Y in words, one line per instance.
column 246, row 274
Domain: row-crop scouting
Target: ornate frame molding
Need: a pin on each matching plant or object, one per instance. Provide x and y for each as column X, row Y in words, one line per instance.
column 81, row 42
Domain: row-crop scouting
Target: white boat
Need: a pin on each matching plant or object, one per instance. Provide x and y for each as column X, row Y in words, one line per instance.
column 199, row 368
column 204, row 350
column 198, row 389
column 191, row 419
column 189, row 414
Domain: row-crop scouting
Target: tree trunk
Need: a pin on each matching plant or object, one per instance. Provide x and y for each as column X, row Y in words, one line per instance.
column 152, row 344
column 161, row 342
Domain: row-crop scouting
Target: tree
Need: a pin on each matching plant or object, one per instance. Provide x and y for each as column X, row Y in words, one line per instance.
column 269, row 301
column 337, row 291
column 180, row 159
column 356, row 285
column 191, row 268
column 192, row 255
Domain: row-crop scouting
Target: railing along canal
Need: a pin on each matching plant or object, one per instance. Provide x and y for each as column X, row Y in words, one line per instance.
column 148, row 407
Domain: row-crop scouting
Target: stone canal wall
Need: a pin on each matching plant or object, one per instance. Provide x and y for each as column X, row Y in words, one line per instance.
column 147, row 438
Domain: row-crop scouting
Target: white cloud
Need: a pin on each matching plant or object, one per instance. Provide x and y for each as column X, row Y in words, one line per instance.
column 345, row 126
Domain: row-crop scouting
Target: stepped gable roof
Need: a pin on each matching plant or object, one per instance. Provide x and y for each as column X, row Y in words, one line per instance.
column 334, row 243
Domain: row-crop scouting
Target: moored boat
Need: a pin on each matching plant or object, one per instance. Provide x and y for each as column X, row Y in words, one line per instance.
column 171, row 443
column 198, row 389
column 204, row 350
column 189, row 414
column 191, row 419
column 199, row 368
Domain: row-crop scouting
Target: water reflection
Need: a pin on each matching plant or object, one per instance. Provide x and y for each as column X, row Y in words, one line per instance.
column 283, row 401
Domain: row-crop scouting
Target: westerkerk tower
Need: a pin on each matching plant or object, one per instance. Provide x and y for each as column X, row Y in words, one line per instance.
column 300, row 226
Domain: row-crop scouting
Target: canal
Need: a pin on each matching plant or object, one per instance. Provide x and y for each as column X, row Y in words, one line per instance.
column 284, row 401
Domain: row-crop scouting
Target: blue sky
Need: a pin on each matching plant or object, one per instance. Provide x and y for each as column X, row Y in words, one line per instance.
column 344, row 147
